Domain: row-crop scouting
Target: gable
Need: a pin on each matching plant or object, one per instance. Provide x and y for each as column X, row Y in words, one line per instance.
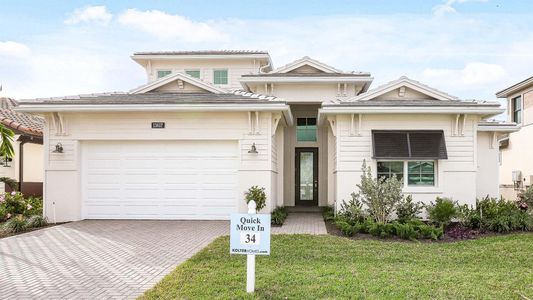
column 305, row 69
column 179, row 86
column 404, row 93
column 177, row 83
column 404, row 88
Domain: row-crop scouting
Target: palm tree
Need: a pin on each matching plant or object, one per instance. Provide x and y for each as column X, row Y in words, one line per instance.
column 6, row 145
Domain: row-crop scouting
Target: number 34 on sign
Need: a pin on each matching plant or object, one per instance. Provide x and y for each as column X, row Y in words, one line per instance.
column 250, row 234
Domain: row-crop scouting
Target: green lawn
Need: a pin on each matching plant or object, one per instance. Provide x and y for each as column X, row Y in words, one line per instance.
column 311, row 267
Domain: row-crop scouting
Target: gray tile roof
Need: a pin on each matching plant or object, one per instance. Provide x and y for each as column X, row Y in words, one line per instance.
column 238, row 97
column 21, row 122
column 203, row 52
column 359, row 74
column 412, row 102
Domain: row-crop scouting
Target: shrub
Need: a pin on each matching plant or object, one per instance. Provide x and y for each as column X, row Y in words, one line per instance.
column 405, row 231
column 37, row 221
column 442, row 211
column 382, row 230
column 407, row 210
column 279, row 214
column 502, row 216
column 10, row 182
column 16, row 224
column 257, row 194
column 525, row 198
column 380, row 195
column 346, row 228
column 328, row 213
column 469, row 216
column 352, row 211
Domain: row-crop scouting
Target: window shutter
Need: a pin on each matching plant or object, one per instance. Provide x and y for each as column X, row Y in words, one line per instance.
column 421, row 144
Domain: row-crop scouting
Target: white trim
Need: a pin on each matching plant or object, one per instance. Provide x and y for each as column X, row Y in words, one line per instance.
column 306, row 60
column 169, row 78
column 512, row 127
column 403, row 82
column 484, row 111
column 137, row 57
column 334, row 79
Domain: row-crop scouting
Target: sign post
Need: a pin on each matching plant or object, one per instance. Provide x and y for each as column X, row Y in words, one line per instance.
column 250, row 235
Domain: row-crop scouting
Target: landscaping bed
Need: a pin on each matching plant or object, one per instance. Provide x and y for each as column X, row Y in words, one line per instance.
column 19, row 214
column 329, row 267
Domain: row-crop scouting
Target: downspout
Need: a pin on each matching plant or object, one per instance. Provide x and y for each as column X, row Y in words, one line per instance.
column 21, row 164
column 263, row 67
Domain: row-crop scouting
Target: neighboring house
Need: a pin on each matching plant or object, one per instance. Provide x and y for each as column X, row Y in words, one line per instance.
column 516, row 169
column 26, row 167
column 210, row 124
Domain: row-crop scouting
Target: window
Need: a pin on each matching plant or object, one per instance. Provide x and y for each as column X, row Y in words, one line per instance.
column 163, row 73
column 193, row 73
column 388, row 169
column 421, row 173
column 399, row 144
column 516, row 107
column 306, row 129
column 220, row 77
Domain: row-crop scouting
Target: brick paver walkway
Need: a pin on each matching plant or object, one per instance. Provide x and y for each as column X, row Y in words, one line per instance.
column 98, row 259
column 305, row 223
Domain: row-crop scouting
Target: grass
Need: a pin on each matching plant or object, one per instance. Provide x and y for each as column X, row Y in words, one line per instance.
column 329, row 267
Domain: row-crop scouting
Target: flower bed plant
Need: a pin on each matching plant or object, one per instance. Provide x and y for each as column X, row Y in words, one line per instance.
column 279, row 214
column 19, row 213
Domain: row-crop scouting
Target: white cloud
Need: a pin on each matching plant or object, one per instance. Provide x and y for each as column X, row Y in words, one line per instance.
column 14, row 49
column 473, row 74
column 167, row 26
column 447, row 6
column 90, row 14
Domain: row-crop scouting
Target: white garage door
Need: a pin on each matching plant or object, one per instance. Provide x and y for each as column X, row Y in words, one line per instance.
column 159, row 180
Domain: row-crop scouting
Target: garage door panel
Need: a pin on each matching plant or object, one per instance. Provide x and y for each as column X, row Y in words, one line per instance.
column 160, row 180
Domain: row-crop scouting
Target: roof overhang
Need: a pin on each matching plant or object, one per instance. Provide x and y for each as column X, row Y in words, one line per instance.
column 247, row 81
column 506, row 127
column 484, row 112
column 264, row 107
column 142, row 59
column 515, row 88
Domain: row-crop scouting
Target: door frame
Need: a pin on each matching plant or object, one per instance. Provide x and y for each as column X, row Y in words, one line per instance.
column 297, row 201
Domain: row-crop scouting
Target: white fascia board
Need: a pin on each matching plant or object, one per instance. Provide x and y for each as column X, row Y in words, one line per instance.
column 484, row 111
column 187, row 57
column 275, row 79
column 499, row 128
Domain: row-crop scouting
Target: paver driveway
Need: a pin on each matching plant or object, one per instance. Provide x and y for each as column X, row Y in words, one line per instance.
column 99, row 259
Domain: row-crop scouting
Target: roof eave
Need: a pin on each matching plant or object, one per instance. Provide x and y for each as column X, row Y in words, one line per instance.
column 514, row 88
column 333, row 79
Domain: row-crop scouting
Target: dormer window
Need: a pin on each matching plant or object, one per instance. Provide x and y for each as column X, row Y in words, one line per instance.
column 516, row 108
column 193, row 73
column 220, row 76
column 163, row 73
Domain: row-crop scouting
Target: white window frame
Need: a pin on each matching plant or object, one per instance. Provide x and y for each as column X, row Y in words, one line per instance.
column 221, row 69
column 414, row 189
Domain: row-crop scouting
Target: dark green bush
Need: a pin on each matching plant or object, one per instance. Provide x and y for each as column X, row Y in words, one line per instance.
column 328, row 213
column 257, row 194
column 346, row 228
column 405, row 231
column 407, row 210
column 16, row 224
column 278, row 216
column 37, row 221
column 382, row 230
column 442, row 211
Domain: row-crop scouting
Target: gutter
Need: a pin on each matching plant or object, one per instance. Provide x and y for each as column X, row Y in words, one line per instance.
column 484, row 111
column 499, row 128
column 48, row 108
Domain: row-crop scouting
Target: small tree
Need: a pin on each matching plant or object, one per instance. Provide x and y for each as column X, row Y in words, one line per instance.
column 380, row 196
column 6, row 145
column 257, row 194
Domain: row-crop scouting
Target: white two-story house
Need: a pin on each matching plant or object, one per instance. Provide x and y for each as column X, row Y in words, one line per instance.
column 208, row 125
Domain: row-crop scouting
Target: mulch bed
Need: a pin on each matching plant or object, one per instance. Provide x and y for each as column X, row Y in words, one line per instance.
column 454, row 232
column 8, row 234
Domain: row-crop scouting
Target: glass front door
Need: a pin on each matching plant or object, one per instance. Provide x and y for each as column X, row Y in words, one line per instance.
column 306, row 176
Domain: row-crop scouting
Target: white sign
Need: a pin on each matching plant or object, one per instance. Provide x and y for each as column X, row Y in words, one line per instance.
column 250, row 234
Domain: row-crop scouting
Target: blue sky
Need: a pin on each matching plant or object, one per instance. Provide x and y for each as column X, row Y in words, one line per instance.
column 469, row 48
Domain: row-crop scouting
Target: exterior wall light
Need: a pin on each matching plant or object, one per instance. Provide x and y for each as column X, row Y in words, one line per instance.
column 59, row 148
column 253, row 149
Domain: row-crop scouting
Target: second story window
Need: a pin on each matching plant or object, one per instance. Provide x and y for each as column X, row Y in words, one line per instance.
column 163, row 73
column 193, row 73
column 220, row 76
column 516, row 109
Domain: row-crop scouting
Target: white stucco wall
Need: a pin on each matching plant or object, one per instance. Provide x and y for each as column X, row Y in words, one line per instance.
column 63, row 170
column 488, row 176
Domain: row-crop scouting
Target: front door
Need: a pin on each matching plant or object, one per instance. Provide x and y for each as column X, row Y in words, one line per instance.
column 306, row 176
